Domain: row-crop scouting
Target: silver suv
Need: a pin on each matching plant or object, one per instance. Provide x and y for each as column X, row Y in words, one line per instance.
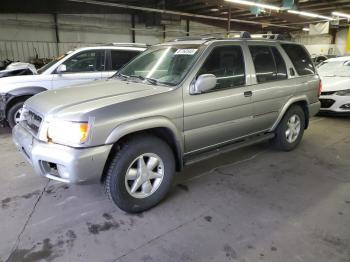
column 174, row 104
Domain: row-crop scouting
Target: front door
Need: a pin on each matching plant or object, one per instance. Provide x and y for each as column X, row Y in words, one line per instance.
column 84, row 67
column 224, row 113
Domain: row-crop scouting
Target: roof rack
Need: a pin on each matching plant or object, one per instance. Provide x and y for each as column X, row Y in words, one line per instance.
column 272, row 36
column 128, row 45
column 214, row 36
column 235, row 34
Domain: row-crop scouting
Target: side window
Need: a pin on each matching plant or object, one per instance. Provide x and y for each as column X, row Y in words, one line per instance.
column 299, row 58
column 264, row 64
column 86, row 61
column 227, row 64
column 281, row 68
column 121, row 57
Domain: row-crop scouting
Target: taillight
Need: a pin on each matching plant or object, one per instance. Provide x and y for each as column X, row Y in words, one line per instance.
column 320, row 88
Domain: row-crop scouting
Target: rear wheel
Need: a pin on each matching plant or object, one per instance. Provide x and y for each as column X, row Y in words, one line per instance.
column 290, row 130
column 14, row 114
column 140, row 174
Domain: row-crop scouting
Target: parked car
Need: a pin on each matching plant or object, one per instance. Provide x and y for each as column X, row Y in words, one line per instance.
column 76, row 67
column 335, row 96
column 318, row 59
column 18, row 69
column 174, row 104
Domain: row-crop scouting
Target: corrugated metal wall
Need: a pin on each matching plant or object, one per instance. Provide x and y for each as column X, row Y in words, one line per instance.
column 22, row 36
column 26, row 50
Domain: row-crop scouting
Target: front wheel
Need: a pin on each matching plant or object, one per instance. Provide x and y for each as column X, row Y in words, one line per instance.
column 14, row 114
column 290, row 130
column 140, row 174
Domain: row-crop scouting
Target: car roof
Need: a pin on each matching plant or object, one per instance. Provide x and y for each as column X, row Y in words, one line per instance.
column 117, row 47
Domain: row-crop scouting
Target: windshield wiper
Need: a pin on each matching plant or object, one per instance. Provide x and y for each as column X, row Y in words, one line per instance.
column 124, row 77
column 152, row 81
column 149, row 80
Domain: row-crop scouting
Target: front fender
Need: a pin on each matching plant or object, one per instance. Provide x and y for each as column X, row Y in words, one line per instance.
column 26, row 91
column 146, row 124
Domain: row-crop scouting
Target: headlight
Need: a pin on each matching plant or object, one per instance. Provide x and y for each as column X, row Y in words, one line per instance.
column 68, row 133
column 343, row 92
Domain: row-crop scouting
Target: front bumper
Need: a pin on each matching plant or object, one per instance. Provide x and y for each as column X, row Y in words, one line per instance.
column 2, row 112
column 335, row 104
column 58, row 162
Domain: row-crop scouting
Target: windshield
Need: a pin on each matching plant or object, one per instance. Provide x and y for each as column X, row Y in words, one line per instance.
column 164, row 64
column 49, row 64
column 334, row 68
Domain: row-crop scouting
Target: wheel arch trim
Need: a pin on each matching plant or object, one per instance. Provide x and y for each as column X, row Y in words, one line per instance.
column 145, row 124
column 287, row 105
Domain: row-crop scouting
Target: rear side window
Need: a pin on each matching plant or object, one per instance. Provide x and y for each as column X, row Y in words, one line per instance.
column 121, row 57
column 227, row 64
column 269, row 64
column 281, row 68
column 300, row 59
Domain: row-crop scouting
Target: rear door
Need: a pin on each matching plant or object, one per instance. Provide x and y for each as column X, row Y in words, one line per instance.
column 116, row 59
column 83, row 67
column 223, row 114
column 272, row 87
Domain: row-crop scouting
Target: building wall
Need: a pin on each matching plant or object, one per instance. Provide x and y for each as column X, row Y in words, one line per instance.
column 24, row 35
column 321, row 44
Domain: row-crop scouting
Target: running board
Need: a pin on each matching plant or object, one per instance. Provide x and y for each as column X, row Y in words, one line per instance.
column 227, row 148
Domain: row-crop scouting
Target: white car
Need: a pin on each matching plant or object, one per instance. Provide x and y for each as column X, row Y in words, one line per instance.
column 335, row 76
column 75, row 67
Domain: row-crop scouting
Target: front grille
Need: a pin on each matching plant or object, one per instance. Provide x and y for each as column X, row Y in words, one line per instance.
column 32, row 121
column 326, row 103
column 327, row 93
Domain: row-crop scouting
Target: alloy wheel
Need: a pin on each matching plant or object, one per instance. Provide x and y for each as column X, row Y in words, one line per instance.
column 144, row 175
column 293, row 128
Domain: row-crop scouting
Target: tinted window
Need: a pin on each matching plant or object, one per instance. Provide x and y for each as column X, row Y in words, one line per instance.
column 87, row 61
column 281, row 69
column 299, row 58
column 264, row 64
column 227, row 64
column 121, row 57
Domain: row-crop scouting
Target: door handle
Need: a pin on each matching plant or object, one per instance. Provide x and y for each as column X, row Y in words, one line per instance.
column 248, row 93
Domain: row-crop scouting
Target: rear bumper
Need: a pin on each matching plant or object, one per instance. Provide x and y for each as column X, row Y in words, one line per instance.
column 62, row 163
column 314, row 108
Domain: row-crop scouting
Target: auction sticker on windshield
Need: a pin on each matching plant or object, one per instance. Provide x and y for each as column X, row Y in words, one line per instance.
column 185, row 51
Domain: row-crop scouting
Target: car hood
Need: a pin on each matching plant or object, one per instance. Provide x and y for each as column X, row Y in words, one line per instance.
column 335, row 83
column 67, row 103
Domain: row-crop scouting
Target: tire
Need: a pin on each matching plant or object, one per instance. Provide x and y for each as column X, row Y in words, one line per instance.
column 120, row 190
column 13, row 112
column 287, row 141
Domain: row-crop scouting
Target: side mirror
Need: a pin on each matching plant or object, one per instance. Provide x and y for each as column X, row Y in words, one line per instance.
column 61, row 69
column 203, row 84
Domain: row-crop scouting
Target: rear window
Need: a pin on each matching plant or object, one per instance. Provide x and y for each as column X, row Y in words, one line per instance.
column 300, row 59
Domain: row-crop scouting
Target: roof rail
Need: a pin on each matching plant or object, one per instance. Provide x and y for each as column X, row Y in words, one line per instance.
column 128, row 45
column 199, row 37
column 213, row 36
column 272, row 36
